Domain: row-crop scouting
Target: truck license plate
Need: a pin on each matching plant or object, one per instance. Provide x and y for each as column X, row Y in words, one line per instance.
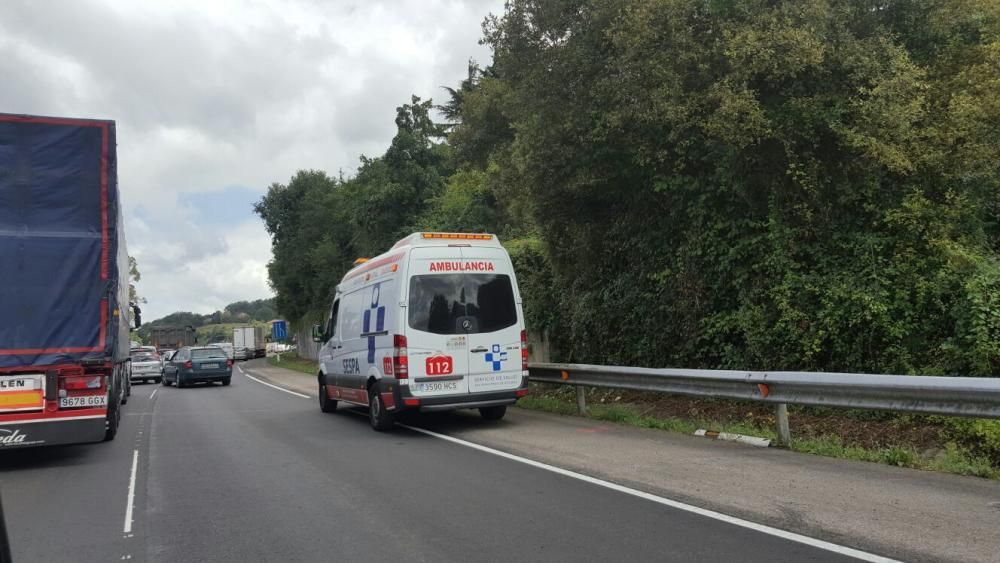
column 84, row 401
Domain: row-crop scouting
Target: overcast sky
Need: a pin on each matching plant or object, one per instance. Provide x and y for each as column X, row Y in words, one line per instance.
column 215, row 100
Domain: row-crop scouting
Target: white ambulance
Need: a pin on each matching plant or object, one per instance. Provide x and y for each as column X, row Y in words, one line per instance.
column 433, row 324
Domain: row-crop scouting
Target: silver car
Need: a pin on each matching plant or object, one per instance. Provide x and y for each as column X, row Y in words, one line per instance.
column 146, row 365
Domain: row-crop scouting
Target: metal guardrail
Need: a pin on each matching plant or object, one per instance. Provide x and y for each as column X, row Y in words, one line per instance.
column 951, row 396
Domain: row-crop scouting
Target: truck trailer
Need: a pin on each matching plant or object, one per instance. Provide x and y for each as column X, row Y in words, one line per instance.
column 248, row 342
column 65, row 315
column 173, row 338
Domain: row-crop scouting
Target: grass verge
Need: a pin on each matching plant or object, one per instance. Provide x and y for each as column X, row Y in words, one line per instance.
column 291, row 360
column 949, row 457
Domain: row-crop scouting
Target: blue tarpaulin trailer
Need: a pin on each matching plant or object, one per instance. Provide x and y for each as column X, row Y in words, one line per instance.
column 64, row 309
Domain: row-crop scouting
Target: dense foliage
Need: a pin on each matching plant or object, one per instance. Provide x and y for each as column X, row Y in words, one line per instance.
column 804, row 184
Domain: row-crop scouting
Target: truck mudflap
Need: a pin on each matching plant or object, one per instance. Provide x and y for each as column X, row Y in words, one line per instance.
column 68, row 428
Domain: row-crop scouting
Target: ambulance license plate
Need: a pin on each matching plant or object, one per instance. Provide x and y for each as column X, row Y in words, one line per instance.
column 84, row 401
column 436, row 386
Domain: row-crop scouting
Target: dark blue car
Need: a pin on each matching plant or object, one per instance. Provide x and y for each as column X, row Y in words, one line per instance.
column 198, row 364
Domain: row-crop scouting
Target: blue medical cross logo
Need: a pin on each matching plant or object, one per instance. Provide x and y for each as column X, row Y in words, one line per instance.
column 496, row 357
column 379, row 322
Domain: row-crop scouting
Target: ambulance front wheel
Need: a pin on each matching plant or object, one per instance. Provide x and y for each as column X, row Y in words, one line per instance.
column 326, row 404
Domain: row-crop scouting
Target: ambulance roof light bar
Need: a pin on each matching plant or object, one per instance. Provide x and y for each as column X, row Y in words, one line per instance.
column 457, row 236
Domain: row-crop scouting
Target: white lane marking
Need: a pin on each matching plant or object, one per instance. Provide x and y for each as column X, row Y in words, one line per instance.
column 762, row 528
column 275, row 386
column 153, row 394
column 791, row 536
column 131, row 493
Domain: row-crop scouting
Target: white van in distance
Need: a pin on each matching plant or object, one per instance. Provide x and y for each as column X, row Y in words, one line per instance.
column 433, row 324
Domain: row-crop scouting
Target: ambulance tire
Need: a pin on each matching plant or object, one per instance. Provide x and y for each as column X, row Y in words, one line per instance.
column 493, row 413
column 379, row 417
column 326, row 404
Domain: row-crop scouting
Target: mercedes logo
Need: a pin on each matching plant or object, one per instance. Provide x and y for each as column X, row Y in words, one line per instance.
column 467, row 324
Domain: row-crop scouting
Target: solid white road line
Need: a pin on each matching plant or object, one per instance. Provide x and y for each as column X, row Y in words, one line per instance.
column 131, row 493
column 153, row 394
column 274, row 386
column 762, row 528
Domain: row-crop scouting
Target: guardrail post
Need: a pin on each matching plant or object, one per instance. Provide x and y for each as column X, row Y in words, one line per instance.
column 784, row 433
column 581, row 400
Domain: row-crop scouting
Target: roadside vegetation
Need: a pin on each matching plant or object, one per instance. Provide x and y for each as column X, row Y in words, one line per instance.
column 803, row 185
column 291, row 360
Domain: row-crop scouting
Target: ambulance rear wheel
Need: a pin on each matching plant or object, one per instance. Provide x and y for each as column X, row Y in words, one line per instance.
column 326, row 404
column 493, row 413
column 380, row 418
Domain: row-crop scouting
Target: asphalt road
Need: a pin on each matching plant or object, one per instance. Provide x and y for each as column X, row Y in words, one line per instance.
column 250, row 473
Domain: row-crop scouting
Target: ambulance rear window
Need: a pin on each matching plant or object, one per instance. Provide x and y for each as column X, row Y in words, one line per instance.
column 461, row 303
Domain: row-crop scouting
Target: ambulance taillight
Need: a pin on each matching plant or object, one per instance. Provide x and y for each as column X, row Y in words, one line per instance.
column 524, row 350
column 400, row 362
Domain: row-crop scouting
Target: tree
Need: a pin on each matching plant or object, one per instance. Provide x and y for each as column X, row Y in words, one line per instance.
column 758, row 184
column 134, row 276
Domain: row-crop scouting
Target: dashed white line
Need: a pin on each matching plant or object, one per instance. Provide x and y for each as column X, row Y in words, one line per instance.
column 131, row 493
column 273, row 386
column 153, row 394
column 762, row 528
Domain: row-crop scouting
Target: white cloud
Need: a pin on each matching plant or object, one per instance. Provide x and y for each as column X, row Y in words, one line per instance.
column 210, row 95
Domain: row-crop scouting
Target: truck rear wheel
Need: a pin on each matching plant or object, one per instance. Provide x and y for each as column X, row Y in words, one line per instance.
column 111, row 425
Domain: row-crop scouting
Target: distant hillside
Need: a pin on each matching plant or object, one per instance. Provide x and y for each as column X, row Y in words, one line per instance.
column 218, row 323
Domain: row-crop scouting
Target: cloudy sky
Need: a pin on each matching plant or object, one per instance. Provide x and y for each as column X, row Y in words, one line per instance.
column 214, row 100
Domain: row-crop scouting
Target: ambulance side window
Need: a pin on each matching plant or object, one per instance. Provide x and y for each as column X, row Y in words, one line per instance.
column 331, row 325
column 352, row 307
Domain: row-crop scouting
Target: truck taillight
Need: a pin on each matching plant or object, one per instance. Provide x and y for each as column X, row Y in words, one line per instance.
column 80, row 383
column 188, row 365
column 524, row 350
column 400, row 362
